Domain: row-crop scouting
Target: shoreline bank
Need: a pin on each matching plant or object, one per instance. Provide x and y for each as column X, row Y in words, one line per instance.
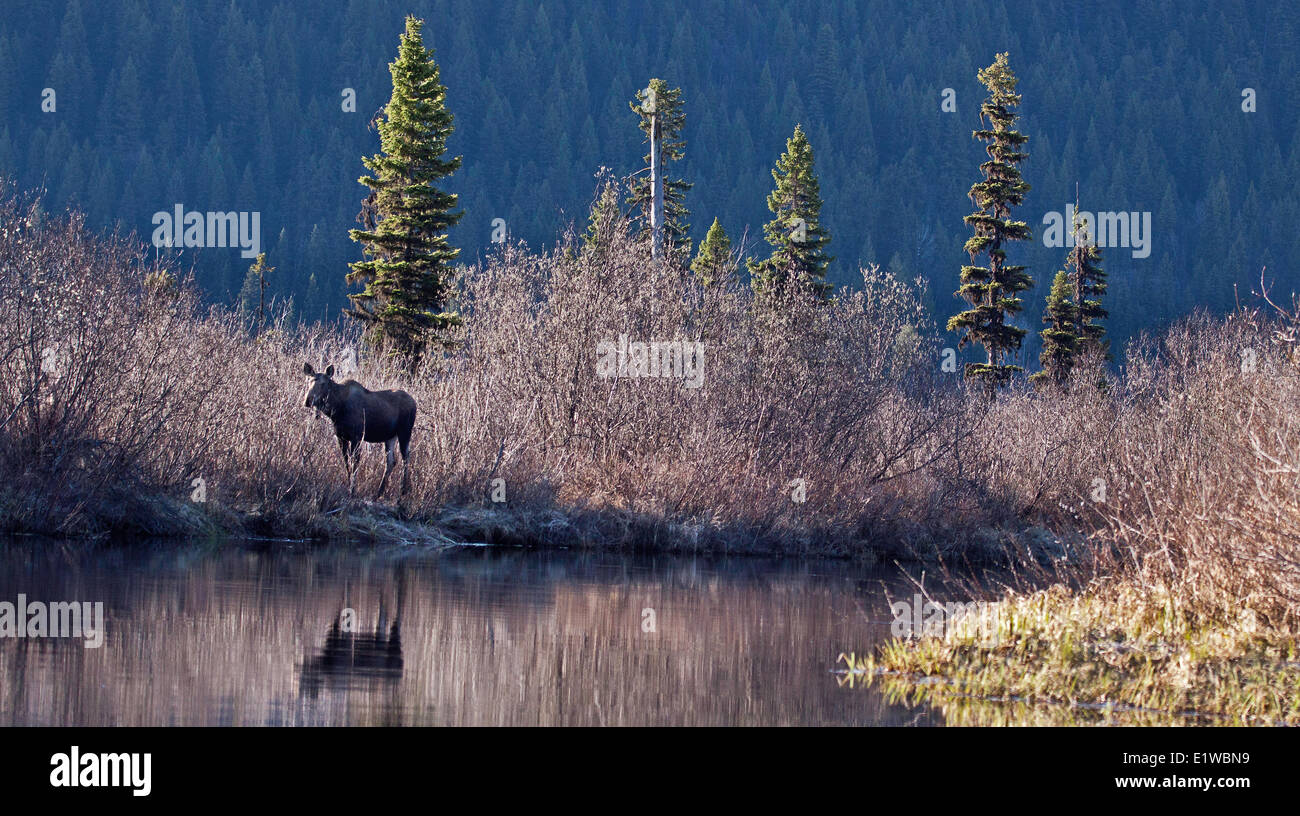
column 553, row 527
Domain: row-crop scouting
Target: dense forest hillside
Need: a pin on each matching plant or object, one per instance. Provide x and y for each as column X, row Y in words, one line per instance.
column 223, row 105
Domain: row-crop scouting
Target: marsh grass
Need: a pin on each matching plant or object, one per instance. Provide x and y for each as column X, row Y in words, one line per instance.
column 1187, row 602
column 1114, row 650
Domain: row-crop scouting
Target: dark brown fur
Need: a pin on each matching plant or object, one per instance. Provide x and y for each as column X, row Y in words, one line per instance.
column 360, row 415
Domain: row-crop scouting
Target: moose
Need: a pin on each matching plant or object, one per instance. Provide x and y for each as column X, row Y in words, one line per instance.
column 354, row 658
column 360, row 415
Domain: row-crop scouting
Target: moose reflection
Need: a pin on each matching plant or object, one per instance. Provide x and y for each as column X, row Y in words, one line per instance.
column 352, row 658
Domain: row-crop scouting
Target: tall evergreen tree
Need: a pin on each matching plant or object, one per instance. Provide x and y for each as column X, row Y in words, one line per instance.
column 713, row 262
column 408, row 267
column 992, row 290
column 1088, row 281
column 798, row 240
column 661, row 119
column 1073, row 310
column 1060, row 341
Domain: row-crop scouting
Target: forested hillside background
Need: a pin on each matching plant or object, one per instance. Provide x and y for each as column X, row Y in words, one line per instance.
column 224, row 105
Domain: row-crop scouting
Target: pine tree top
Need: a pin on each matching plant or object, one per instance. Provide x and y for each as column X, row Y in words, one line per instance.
column 796, row 234
column 1001, row 82
column 716, row 242
column 416, row 122
column 1058, row 299
column 658, row 98
column 604, row 217
column 1002, row 186
column 714, row 258
column 794, row 174
column 659, row 102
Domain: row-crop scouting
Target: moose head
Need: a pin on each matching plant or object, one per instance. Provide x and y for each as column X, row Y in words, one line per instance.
column 320, row 388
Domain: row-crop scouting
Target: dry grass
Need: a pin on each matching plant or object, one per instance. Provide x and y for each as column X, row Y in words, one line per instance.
column 116, row 394
column 118, row 391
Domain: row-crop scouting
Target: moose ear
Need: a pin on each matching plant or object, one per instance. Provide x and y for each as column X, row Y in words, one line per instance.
column 329, row 372
column 308, row 370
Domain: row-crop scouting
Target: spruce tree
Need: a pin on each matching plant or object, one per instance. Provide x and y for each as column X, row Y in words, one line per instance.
column 1088, row 281
column 713, row 262
column 661, row 117
column 604, row 218
column 992, row 290
column 1060, row 340
column 253, row 291
column 798, row 259
column 408, row 267
column 1073, row 310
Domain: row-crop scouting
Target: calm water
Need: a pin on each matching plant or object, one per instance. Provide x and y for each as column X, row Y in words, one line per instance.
column 236, row 635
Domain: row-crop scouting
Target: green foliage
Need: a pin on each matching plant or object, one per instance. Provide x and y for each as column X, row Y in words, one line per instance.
column 992, row 290
column 407, row 273
column 253, row 95
column 1088, row 281
column 798, row 239
column 714, row 262
column 1060, row 340
column 605, row 217
column 1074, row 311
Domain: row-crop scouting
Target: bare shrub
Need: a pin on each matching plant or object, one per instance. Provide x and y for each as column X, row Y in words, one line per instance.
column 1206, row 461
column 151, row 394
column 823, row 426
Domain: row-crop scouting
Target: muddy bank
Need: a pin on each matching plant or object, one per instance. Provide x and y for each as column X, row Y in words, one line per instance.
column 131, row 514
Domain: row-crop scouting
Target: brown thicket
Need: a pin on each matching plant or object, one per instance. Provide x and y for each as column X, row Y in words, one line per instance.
column 118, row 391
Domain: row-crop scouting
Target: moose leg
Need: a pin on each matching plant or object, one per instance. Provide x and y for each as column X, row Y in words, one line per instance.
column 356, row 464
column 390, row 447
column 404, row 444
column 406, row 467
column 343, row 451
column 350, row 461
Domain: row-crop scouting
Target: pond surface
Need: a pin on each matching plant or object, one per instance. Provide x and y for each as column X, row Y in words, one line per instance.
column 278, row 634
